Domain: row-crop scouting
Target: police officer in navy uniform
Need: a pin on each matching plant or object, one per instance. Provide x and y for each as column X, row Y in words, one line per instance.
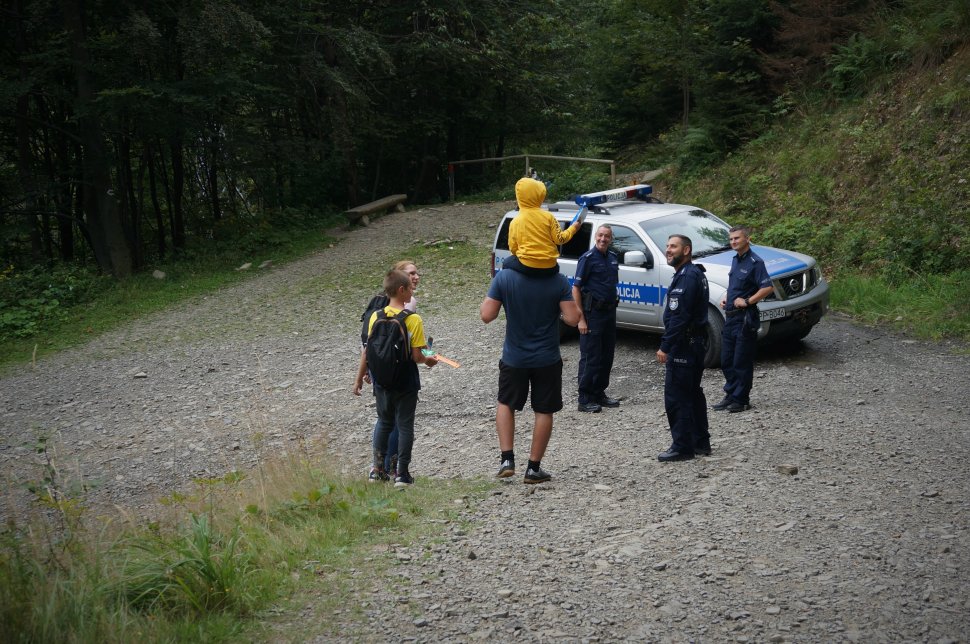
column 594, row 288
column 748, row 284
column 682, row 350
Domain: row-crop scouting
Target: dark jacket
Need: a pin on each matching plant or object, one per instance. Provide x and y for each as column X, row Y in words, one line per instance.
column 685, row 316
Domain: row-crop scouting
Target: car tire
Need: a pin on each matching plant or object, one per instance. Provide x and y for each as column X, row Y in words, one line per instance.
column 715, row 325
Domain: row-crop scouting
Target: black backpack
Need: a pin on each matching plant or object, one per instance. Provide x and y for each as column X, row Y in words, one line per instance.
column 389, row 350
column 377, row 303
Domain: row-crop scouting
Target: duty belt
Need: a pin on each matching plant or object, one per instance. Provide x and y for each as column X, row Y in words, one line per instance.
column 592, row 303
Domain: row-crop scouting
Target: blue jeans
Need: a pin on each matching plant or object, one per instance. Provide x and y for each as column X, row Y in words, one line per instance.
column 391, row 446
column 395, row 408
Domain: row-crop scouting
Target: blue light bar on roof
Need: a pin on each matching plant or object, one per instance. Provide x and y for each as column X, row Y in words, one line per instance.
column 617, row 194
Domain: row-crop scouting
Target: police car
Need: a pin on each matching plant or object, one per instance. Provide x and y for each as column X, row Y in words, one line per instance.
column 641, row 225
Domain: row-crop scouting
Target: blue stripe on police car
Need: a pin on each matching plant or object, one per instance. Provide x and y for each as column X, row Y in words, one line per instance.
column 776, row 261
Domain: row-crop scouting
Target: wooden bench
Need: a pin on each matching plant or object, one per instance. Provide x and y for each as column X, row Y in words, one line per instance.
column 362, row 212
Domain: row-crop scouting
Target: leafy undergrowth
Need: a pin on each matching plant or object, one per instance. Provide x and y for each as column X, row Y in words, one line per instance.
column 877, row 189
column 227, row 562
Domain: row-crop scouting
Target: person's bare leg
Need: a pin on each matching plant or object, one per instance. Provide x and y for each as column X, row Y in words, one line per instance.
column 505, row 426
column 541, row 433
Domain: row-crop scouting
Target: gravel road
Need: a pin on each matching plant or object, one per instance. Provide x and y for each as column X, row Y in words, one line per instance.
column 867, row 541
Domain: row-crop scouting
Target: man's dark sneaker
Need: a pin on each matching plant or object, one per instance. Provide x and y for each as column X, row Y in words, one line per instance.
column 671, row 455
column 735, row 407
column 377, row 476
column 702, row 451
column 537, row 476
column 507, row 470
column 721, row 406
column 590, row 408
column 403, row 479
column 606, row 401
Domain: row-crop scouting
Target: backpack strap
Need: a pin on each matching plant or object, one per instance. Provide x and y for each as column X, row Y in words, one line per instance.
column 401, row 317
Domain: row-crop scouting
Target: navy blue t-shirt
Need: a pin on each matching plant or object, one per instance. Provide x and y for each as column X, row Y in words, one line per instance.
column 531, row 317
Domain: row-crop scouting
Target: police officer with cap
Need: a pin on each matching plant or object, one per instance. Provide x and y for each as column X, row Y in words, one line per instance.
column 594, row 287
column 682, row 350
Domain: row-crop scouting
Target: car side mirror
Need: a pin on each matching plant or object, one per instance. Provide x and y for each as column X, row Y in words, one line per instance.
column 637, row 258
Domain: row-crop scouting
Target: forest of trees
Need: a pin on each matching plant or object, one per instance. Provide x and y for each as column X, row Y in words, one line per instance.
column 131, row 130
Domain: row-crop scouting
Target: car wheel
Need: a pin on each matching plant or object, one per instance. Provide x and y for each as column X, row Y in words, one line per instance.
column 715, row 324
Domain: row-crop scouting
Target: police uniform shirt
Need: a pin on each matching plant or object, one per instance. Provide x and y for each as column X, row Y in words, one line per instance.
column 597, row 274
column 748, row 275
column 686, row 311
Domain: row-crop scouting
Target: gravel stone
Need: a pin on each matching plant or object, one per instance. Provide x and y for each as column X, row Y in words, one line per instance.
column 873, row 546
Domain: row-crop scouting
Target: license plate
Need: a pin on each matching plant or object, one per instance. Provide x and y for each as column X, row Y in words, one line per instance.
column 772, row 314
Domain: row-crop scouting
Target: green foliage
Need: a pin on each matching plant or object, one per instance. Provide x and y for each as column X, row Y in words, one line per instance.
column 874, row 188
column 205, row 576
column 35, row 297
column 698, row 149
column 20, row 574
column 854, row 65
column 569, row 181
column 198, row 571
column 789, row 232
column 60, row 308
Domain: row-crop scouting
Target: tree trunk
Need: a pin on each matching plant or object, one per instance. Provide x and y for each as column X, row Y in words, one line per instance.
column 685, row 89
column 139, row 201
column 25, row 164
column 342, row 131
column 153, row 191
column 25, row 171
column 178, row 190
column 64, row 192
column 131, row 216
column 212, row 169
column 101, row 205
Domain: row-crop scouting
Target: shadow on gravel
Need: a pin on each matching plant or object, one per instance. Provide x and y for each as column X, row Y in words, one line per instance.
column 790, row 352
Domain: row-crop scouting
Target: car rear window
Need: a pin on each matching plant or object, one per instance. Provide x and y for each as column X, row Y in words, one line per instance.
column 502, row 242
column 579, row 244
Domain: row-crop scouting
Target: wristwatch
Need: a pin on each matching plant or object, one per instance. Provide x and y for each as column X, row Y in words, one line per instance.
column 747, row 302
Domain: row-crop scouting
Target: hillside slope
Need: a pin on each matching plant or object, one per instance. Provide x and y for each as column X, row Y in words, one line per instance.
column 878, row 188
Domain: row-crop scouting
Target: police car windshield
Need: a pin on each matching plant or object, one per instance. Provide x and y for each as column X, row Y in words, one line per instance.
column 708, row 233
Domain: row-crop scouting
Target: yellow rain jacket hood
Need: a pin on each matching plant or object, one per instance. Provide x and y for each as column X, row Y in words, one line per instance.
column 529, row 193
column 535, row 235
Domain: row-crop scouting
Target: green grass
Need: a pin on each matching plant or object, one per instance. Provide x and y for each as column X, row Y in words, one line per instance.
column 872, row 187
column 236, row 557
column 102, row 304
column 932, row 308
